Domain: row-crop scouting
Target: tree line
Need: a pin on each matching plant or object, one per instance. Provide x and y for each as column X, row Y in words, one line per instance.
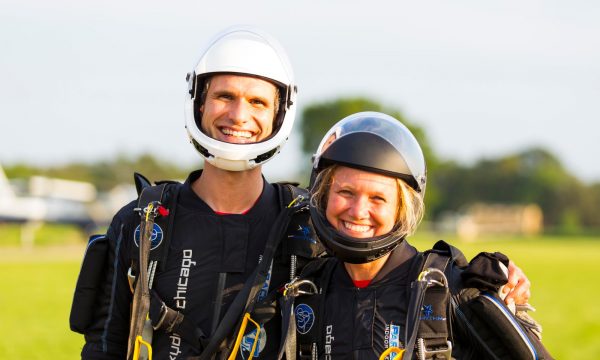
column 530, row 176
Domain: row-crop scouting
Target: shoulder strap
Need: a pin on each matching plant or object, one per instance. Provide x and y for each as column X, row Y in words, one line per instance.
column 289, row 191
column 309, row 309
column 300, row 244
column 428, row 308
column 165, row 193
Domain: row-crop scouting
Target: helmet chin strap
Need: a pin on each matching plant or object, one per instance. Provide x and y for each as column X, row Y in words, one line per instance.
column 349, row 249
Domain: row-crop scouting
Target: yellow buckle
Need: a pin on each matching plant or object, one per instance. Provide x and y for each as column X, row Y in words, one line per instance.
column 240, row 334
column 398, row 356
column 139, row 341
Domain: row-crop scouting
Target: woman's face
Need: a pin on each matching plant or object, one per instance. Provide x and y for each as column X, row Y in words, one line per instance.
column 362, row 204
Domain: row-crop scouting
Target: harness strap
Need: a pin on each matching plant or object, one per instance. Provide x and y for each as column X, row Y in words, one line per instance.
column 141, row 294
column 306, row 341
column 246, row 298
column 427, row 316
column 172, row 321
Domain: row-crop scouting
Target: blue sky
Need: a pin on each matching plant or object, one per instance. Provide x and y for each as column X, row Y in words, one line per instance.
column 88, row 80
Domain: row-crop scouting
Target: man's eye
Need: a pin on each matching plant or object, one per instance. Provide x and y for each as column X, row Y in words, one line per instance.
column 258, row 102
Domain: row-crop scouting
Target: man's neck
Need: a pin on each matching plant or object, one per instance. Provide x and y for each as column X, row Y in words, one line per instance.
column 232, row 192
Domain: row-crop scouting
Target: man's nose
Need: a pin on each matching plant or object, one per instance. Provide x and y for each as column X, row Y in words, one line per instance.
column 239, row 111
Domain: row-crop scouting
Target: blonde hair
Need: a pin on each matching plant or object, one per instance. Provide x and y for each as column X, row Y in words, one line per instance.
column 410, row 205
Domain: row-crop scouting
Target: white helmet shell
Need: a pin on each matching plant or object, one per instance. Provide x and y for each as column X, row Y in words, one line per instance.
column 242, row 50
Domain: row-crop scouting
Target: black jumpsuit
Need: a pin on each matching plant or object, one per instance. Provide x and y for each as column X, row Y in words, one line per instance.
column 203, row 244
column 361, row 323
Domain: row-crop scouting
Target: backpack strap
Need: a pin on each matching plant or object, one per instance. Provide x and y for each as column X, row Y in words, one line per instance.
column 428, row 313
column 152, row 243
column 308, row 309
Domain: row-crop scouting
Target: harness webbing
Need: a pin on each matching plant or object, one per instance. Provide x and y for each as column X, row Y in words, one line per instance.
column 141, row 293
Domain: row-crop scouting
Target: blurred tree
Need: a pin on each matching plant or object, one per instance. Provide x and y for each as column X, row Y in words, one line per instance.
column 531, row 176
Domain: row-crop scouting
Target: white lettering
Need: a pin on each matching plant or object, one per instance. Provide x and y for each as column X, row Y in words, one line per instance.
column 180, row 298
column 328, row 341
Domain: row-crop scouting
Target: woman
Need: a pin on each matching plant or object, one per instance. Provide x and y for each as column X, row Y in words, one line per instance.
column 367, row 184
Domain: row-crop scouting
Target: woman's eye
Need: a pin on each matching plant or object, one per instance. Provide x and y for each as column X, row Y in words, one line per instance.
column 345, row 192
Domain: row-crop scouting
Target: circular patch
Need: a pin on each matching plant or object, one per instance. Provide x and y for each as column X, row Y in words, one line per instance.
column 248, row 342
column 305, row 318
column 155, row 239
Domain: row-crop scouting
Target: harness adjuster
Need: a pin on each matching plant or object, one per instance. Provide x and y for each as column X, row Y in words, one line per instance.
column 293, row 288
column 169, row 319
column 307, row 352
column 424, row 353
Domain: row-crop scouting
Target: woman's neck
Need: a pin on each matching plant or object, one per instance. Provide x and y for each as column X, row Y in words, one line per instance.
column 367, row 271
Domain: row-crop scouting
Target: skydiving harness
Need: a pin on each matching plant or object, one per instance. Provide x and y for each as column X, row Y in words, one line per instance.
column 430, row 335
column 431, row 310
column 244, row 307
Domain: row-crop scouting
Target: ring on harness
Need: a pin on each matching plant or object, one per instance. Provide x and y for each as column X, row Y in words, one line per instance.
column 293, row 288
column 396, row 353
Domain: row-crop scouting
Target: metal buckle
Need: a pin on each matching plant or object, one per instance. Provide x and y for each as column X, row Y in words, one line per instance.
column 307, row 352
column 424, row 353
column 163, row 314
column 293, row 288
column 429, row 275
column 131, row 279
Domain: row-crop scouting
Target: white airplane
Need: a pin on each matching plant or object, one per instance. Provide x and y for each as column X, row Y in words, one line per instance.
column 48, row 200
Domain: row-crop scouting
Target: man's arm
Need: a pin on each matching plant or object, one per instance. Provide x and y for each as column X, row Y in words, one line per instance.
column 517, row 289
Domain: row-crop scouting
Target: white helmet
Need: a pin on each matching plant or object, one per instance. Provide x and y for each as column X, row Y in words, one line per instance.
column 246, row 51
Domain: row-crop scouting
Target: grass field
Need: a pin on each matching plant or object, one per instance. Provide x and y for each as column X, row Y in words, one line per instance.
column 37, row 288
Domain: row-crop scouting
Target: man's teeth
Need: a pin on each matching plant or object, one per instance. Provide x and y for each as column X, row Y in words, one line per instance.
column 356, row 228
column 237, row 133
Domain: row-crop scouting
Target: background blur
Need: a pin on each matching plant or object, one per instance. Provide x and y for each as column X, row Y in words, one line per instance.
column 502, row 95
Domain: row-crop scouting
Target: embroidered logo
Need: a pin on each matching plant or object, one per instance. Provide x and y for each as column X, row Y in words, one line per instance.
column 155, row 239
column 305, row 318
column 427, row 311
column 248, row 343
column 303, row 233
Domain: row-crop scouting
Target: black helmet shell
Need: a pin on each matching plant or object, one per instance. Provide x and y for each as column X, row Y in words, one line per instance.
column 373, row 142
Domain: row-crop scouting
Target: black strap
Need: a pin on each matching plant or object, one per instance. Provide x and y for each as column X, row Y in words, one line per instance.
column 141, row 294
column 245, row 299
column 429, row 326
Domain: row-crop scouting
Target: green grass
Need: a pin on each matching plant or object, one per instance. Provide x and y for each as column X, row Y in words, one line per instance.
column 44, row 235
column 35, row 303
column 37, row 289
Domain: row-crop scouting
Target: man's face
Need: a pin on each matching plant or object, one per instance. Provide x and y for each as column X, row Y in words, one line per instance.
column 238, row 109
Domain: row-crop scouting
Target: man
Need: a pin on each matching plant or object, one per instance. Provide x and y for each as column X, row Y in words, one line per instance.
column 240, row 109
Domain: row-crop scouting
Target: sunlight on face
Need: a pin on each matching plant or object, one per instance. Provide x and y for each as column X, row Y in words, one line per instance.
column 362, row 204
column 238, row 109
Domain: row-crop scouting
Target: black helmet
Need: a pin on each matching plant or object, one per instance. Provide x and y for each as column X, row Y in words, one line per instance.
column 373, row 142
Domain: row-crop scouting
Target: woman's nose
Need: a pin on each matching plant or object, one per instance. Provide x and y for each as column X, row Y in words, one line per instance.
column 359, row 208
